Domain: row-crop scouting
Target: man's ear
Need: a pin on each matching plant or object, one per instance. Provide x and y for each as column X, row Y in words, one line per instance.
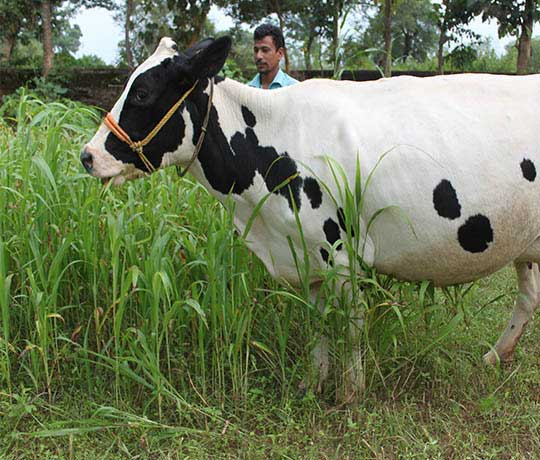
column 208, row 60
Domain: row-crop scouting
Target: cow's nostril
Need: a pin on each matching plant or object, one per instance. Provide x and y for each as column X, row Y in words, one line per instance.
column 87, row 160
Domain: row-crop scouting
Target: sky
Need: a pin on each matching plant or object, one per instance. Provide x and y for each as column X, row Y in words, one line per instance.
column 100, row 34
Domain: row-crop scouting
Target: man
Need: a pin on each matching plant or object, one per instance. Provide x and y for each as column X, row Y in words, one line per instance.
column 268, row 49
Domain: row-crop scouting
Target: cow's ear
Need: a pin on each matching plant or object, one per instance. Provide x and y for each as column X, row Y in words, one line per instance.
column 198, row 47
column 208, row 60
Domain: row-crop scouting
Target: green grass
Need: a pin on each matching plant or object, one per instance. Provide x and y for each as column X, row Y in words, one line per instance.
column 134, row 323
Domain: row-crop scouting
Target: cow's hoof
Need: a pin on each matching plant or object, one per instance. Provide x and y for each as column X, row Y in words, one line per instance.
column 350, row 394
column 492, row 358
column 305, row 387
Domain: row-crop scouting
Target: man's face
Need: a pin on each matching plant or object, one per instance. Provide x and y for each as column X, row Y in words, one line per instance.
column 266, row 55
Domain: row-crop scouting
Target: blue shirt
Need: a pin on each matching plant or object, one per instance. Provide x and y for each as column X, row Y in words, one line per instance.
column 281, row 80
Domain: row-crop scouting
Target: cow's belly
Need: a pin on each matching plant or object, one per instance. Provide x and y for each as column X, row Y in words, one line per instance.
column 464, row 249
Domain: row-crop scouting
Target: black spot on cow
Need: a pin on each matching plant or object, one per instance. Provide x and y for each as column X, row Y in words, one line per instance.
column 343, row 222
column 218, row 79
column 231, row 167
column 445, row 200
column 249, row 118
column 475, row 234
column 324, row 254
column 331, row 230
column 313, row 192
column 225, row 171
column 280, row 175
column 528, row 169
column 530, row 265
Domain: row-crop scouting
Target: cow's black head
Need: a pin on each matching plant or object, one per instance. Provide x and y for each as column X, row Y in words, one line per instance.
column 153, row 88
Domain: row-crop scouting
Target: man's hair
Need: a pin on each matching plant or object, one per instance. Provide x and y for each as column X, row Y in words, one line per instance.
column 269, row 29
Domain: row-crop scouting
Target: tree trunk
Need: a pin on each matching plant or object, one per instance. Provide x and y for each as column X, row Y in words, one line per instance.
column 335, row 36
column 48, row 53
column 524, row 46
column 7, row 47
column 407, row 44
column 440, row 52
column 388, row 38
column 197, row 28
column 321, row 66
column 129, row 52
column 308, row 45
column 281, row 25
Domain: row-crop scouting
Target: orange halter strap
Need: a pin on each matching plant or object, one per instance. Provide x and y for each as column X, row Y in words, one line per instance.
column 138, row 146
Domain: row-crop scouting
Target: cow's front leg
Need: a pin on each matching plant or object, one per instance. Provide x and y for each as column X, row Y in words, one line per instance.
column 527, row 300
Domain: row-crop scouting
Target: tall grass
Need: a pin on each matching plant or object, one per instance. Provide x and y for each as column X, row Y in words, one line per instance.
column 146, row 287
column 144, row 296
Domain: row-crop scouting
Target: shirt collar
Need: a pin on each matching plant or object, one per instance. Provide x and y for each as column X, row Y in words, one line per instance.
column 278, row 81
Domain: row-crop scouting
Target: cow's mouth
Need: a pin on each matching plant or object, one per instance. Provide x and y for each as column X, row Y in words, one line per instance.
column 119, row 179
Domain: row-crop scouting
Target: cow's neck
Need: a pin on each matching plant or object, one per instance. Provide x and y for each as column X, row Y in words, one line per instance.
column 232, row 153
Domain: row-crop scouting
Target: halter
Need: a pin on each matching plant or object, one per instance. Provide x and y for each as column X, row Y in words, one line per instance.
column 138, row 146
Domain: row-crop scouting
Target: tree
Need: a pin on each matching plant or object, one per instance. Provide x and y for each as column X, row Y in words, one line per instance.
column 389, row 5
column 189, row 19
column 339, row 11
column 15, row 17
column 46, row 38
column 517, row 18
column 453, row 16
column 124, row 15
column 414, row 32
column 130, row 7
column 186, row 21
column 309, row 23
column 56, row 10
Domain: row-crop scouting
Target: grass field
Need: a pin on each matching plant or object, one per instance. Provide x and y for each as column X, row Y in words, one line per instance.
column 135, row 324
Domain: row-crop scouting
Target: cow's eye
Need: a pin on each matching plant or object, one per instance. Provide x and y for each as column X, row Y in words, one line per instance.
column 141, row 95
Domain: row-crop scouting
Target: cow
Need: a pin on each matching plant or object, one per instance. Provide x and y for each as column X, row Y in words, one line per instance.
column 456, row 155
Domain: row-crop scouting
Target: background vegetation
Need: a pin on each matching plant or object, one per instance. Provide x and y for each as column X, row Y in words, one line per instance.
column 333, row 34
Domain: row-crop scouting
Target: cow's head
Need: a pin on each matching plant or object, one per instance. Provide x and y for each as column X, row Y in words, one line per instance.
column 153, row 88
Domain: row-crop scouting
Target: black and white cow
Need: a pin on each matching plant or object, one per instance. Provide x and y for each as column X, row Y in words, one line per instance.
column 463, row 152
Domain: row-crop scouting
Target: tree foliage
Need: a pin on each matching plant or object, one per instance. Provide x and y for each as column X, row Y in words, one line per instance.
column 517, row 18
column 186, row 21
column 16, row 18
column 453, row 18
column 414, row 32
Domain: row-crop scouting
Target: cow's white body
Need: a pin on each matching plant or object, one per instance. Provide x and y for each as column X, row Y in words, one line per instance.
column 478, row 135
column 473, row 130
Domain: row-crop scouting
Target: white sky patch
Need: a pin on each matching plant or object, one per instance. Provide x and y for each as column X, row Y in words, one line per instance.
column 101, row 34
column 489, row 29
column 220, row 20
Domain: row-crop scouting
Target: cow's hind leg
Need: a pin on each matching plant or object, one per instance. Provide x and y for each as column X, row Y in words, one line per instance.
column 319, row 354
column 527, row 300
column 353, row 378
